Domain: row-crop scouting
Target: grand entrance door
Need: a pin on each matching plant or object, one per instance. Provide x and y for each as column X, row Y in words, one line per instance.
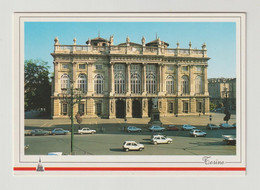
column 150, row 106
column 136, row 109
column 120, row 109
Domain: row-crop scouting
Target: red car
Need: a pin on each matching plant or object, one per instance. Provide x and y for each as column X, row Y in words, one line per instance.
column 172, row 128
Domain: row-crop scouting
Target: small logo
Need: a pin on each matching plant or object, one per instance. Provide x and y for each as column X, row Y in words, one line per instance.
column 208, row 161
column 39, row 166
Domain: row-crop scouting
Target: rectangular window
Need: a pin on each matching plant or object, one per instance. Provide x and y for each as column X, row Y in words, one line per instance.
column 81, row 109
column 82, row 66
column 185, row 68
column 199, row 107
column 65, row 66
column 198, row 68
column 98, row 108
column 170, row 68
column 170, row 107
column 98, row 67
column 64, row 109
column 185, row 107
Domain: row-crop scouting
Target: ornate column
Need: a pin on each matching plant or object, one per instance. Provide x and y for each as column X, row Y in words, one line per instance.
column 206, row 92
column 192, row 81
column 112, row 79
column 56, row 78
column 144, row 78
column 178, row 82
column 90, row 86
column 74, row 73
column 163, row 79
column 128, row 79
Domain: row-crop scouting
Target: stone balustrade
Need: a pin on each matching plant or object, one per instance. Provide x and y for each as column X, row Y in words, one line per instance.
column 134, row 50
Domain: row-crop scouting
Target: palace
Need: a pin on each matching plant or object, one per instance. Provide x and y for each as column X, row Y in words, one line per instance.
column 118, row 81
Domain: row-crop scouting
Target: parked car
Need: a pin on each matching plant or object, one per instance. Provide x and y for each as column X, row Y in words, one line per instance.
column 187, row 127
column 132, row 145
column 172, row 128
column 156, row 128
column 86, row 131
column 160, row 139
column 230, row 139
column 55, row 154
column 26, row 146
column 39, row 132
column 60, row 131
column 212, row 126
column 197, row 133
column 225, row 126
column 133, row 129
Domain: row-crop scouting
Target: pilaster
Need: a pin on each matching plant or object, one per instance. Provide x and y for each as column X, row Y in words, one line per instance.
column 192, row 81
column 128, row 108
column 206, row 92
column 112, row 108
column 144, row 79
column 112, row 79
column 90, row 86
column 145, row 107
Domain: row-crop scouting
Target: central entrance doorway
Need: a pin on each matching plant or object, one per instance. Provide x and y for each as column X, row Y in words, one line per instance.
column 120, row 109
column 136, row 109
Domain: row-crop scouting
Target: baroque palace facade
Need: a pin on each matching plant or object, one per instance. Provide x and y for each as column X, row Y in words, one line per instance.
column 119, row 81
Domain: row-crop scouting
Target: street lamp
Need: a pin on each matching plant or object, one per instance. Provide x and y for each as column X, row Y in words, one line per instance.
column 71, row 96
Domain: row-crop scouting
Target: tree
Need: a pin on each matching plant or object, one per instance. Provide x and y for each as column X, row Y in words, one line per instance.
column 227, row 116
column 37, row 87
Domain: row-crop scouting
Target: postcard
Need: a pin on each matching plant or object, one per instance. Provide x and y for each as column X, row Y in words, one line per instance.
column 142, row 93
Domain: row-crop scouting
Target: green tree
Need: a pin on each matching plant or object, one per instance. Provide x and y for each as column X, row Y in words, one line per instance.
column 37, row 86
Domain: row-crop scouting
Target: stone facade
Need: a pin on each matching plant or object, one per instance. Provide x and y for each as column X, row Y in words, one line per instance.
column 222, row 89
column 121, row 80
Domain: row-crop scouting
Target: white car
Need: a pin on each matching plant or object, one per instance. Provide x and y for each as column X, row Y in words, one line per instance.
column 197, row 133
column 133, row 129
column 226, row 126
column 86, row 131
column 187, row 127
column 132, row 145
column 212, row 126
column 55, row 154
column 156, row 128
column 160, row 139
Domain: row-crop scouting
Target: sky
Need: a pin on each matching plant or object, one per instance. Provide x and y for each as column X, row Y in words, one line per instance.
column 220, row 38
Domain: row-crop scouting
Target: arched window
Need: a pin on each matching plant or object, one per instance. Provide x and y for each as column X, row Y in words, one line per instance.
column 198, row 85
column 151, row 83
column 119, row 78
column 65, row 81
column 170, row 84
column 135, row 83
column 185, row 85
column 98, row 83
column 82, row 83
column 119, row 83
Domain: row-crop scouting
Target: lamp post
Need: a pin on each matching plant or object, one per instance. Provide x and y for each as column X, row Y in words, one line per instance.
column 71, row 96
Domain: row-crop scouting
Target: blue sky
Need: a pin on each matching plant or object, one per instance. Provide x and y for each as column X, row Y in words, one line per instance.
column 220, row 38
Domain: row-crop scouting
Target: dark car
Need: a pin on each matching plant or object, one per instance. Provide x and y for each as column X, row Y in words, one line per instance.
column 39, row 132
column 172, row 128
column 60, row 131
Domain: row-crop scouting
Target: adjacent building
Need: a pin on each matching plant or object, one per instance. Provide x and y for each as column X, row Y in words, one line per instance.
column 118, row 81
column 222, row 92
